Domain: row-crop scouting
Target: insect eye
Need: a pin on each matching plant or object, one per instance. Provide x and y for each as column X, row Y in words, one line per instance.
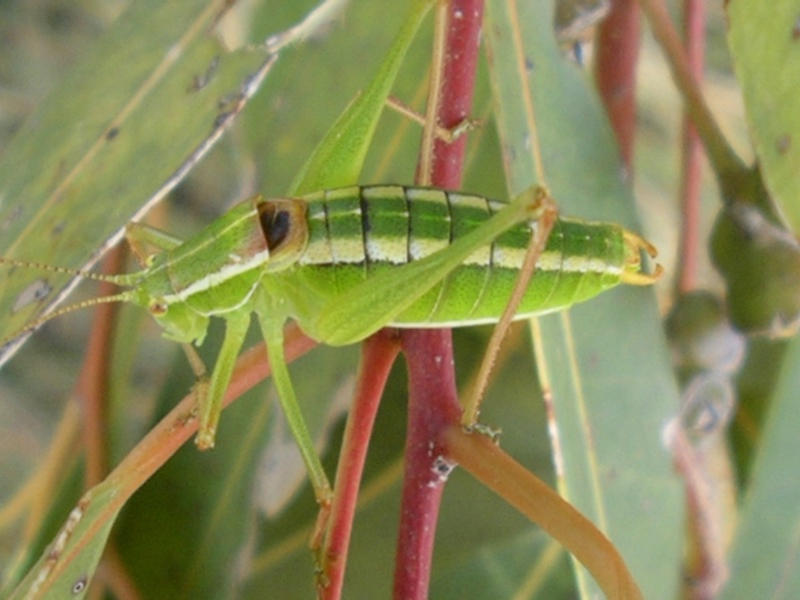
column 276, row 224
column 158, row 307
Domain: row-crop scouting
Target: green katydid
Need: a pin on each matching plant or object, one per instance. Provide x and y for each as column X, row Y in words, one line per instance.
column 343, row 263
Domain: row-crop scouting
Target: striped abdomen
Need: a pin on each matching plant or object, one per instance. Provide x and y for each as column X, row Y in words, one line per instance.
column 357, row 232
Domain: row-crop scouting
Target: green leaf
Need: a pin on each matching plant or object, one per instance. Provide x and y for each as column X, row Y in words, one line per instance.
column 605, row 361
column 528, row 565
column 60, row 501
column 66, row 569
column 764, row 41
column 763, row 561
column 120, row 131
column 339, row 158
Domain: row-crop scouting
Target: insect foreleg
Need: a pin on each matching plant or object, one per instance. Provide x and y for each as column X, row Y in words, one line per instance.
column 210, row 396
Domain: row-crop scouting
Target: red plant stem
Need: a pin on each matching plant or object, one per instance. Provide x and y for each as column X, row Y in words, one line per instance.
column 458, row 84
column 92, row 386
column 433, row 398
column 706, row 567
column 694, row 33
column 433, row 406
column 615, row 71
column 378, row 354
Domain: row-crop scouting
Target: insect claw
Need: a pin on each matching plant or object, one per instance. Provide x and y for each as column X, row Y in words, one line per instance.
column 651, row 250
column 205, row 439
column 639, row 278
column 632, row 275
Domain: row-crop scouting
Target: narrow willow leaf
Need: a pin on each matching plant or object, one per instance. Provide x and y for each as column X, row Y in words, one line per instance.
column 605, row 361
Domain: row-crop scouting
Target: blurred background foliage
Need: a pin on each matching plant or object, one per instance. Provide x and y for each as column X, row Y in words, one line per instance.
column 215, row 520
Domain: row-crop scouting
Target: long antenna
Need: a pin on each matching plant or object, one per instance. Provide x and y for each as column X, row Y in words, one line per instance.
column 124, row 279
column 121, row 297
